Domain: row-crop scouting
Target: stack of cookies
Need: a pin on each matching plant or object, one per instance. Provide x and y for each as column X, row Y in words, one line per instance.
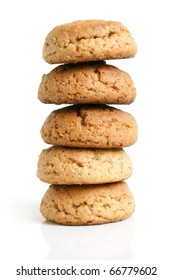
column 86, row 164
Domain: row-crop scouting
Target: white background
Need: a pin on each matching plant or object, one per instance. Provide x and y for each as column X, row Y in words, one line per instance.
column 26, row 237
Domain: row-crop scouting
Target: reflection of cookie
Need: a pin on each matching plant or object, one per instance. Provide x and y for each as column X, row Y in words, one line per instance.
column 88, row 40
column 92, row 243
column 89, row 204
column 93, row 82
column 90, row 126
column 58, row 165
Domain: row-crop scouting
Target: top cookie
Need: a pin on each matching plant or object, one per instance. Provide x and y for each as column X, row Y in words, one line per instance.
column 88, row 40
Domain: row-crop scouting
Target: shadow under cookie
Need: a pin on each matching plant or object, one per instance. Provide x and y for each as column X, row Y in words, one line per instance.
column 108, row 241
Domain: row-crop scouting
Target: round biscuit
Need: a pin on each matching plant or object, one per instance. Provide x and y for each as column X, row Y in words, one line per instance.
column 59, row 165
column 87, row 205
column 90, row 126
column 88, row 40
column 88, row 82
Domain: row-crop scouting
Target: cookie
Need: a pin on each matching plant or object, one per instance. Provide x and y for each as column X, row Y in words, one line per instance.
column 88, row 40
column 90, row 126
column 58, row 165
column 92, row 82
column 87, row 205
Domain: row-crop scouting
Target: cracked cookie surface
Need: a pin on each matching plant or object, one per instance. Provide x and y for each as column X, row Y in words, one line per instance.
column 58, row 165
column 90, row 126
column 92, row 82
column 88, row 204
column 88, row 40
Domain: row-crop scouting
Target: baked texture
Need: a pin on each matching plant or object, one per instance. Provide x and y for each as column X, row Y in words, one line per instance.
column 90, row 126
column 88, row 82
column 88, row 204
column 58, row 165
column 88, row 40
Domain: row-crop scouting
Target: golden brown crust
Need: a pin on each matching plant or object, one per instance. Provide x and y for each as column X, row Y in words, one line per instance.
column 90, row 126
column 88, row 204
column 88, row 40
column 92, row 82
column 58, row 165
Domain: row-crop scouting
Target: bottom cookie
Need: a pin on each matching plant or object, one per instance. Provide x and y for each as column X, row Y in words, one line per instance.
column 87, row 204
